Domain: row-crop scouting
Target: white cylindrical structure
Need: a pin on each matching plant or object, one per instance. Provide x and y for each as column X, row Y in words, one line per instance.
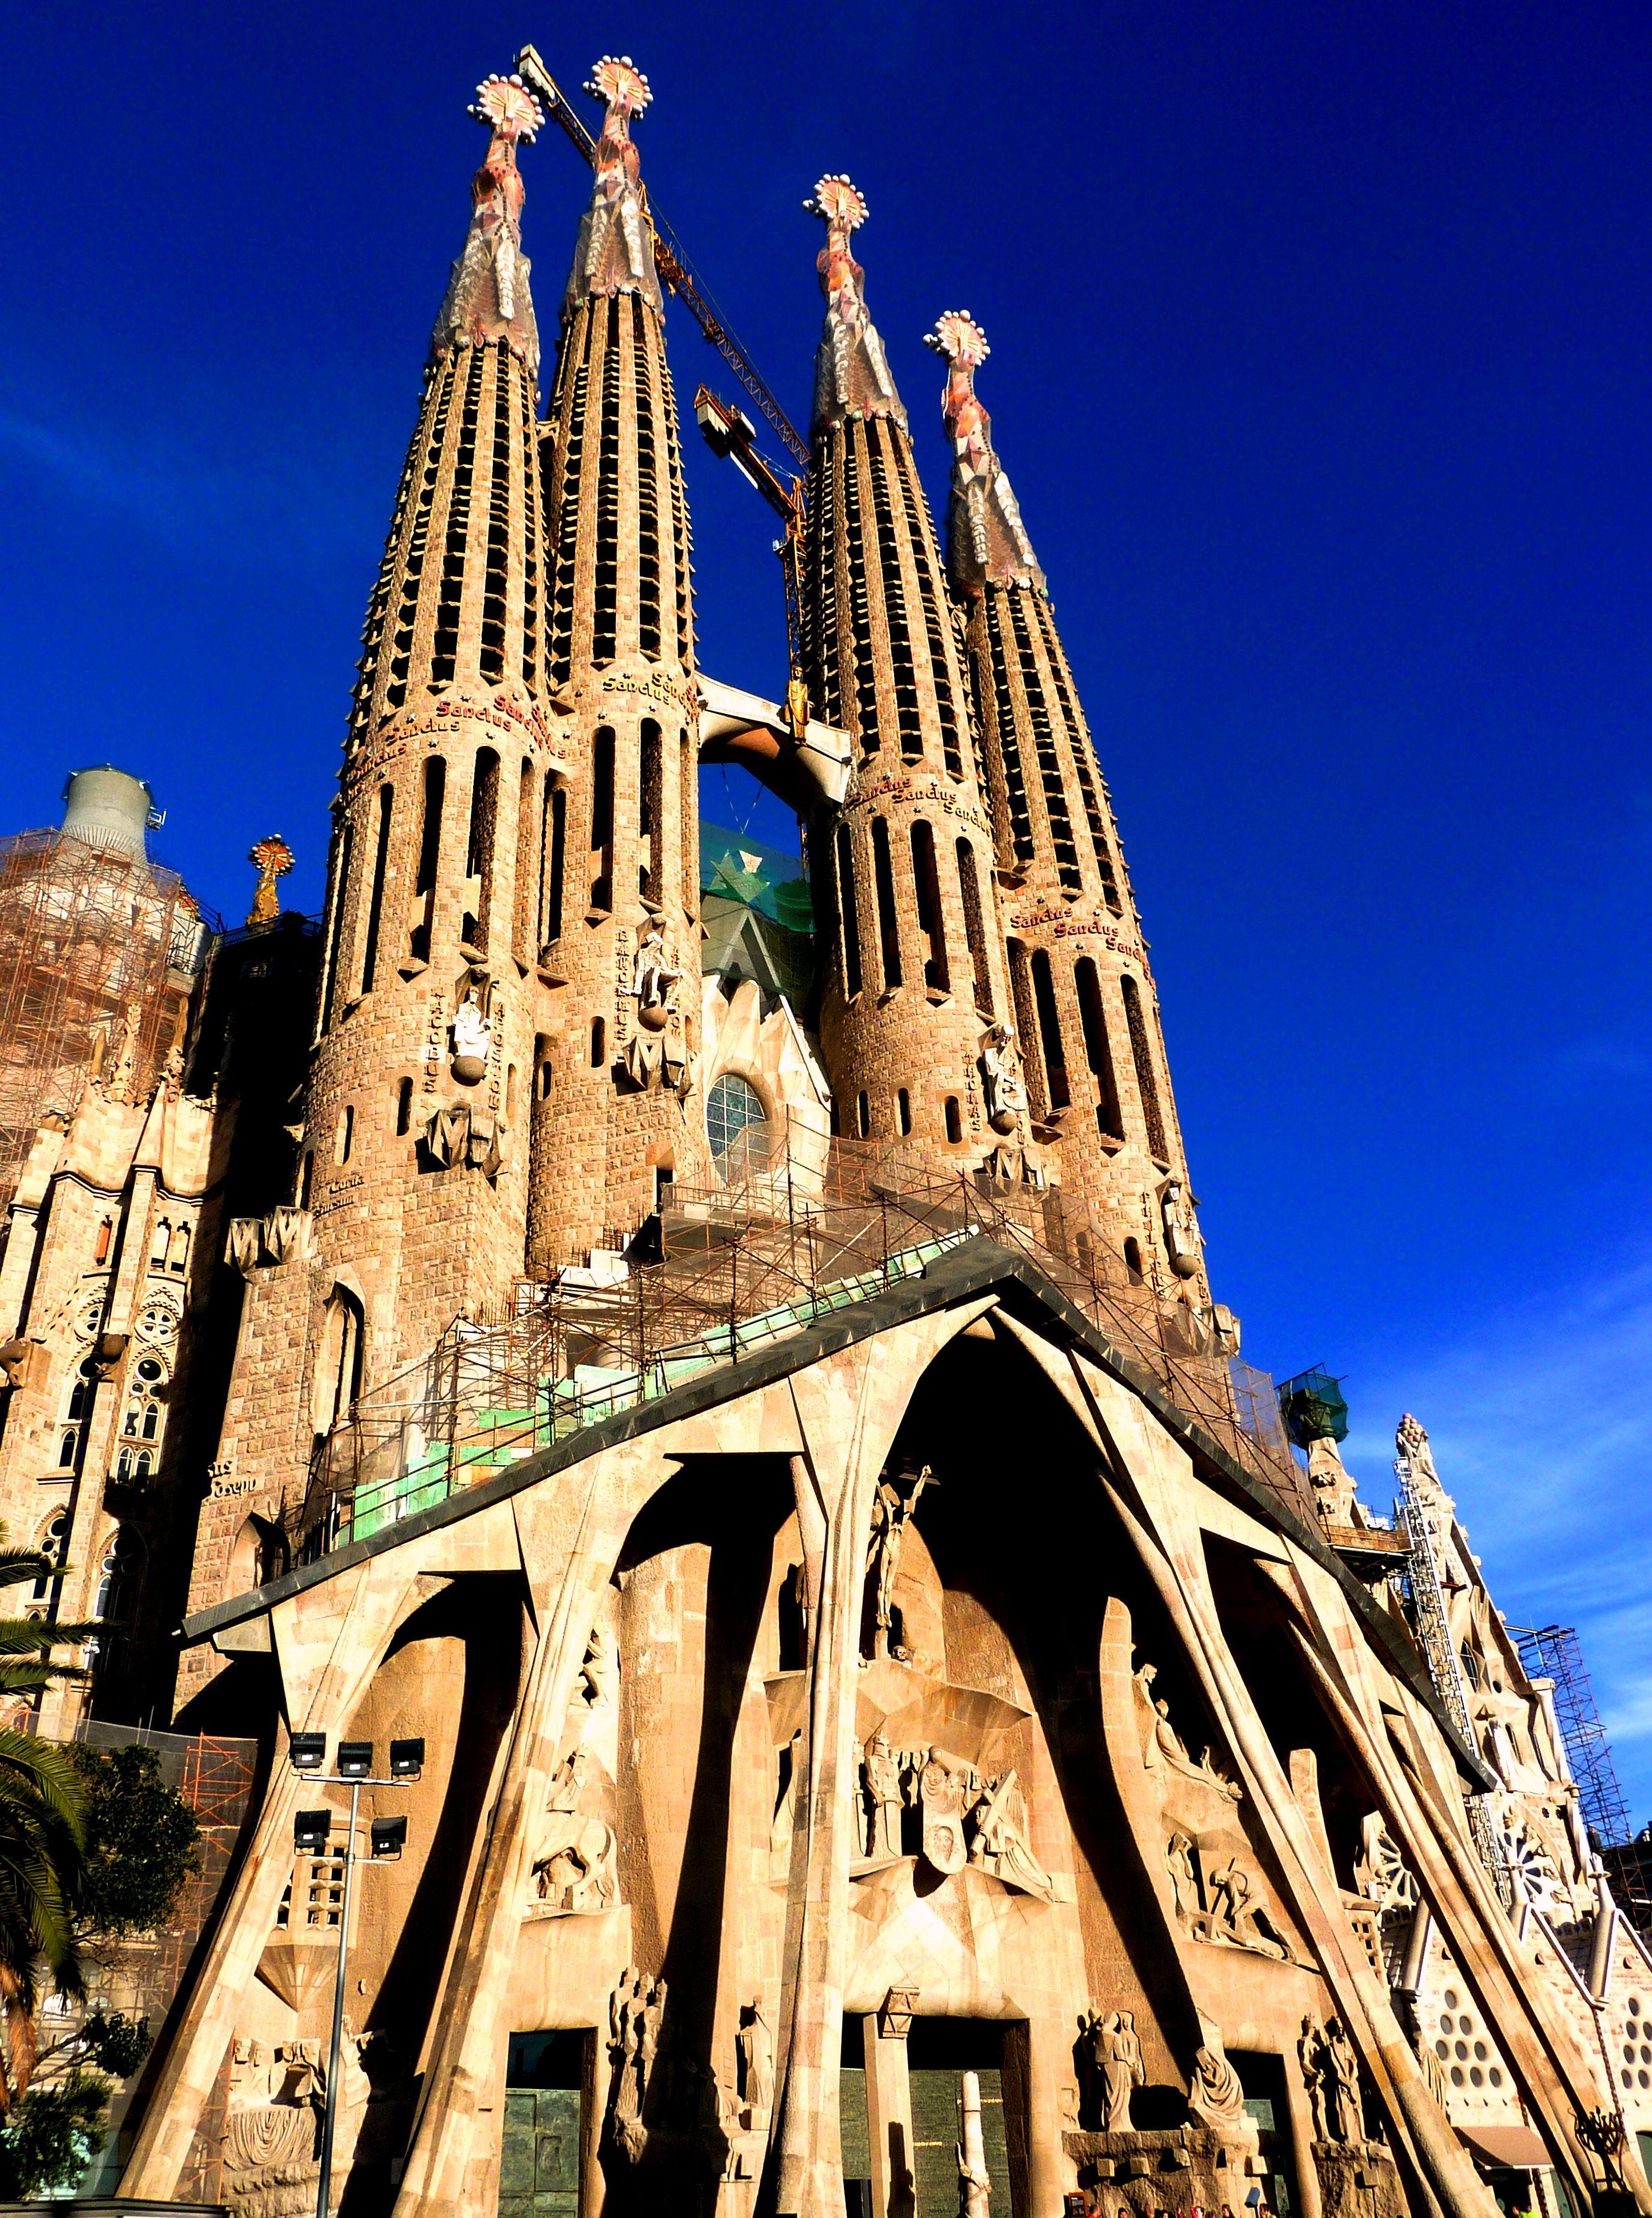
column 107, row 808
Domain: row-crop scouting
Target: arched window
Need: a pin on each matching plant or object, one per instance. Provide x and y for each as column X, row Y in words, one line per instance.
column 430, row 851
column 954, row 1121
column 81, row 1389
column 53, row 1541
column 120, row 1575
column 1097, row 1051
column 338, row 1361
column 1141, row 1056
column 736, row 1126
column 344, row 1138
column 479, row 855
column 863, row 1115
column 932, row 930
column 849, row 914
column 1049, row 1030
column 902, row 1110
column 1132, row 1261
column 177, row 1254
column 256, row 1556
column 883, row 887
column 141, row 1418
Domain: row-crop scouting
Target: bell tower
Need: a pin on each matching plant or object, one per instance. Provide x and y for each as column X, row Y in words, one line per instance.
column 1084, row 1007
column 915, row 995
column 616, row 1106
column 410, row 1200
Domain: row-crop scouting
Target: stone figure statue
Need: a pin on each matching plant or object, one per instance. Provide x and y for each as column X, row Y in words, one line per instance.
column 574, row 1869
column 1216, row 2093
column 1181, row 1233
column 881, row 1769
column 472, row 1040
column 653, row 975
column 600, row 1672
column 998, row 1841
column 1340, row 2070
column 1002, row 1082
column 1113, row 2052
column 892, row 1509
column 1236, row 1917
column 974, row 2182
column 756, row 2047
column 941, row 1788
column 1310, row 2044
column 635, row 2010
column 1185, row 1898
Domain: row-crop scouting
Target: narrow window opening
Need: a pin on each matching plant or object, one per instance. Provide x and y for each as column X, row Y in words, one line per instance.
column 973, row 929
column 931, row 929
column 1026, row 1025
column 530, row 862
column 445, row 645
column 375, row 904
column 404, row 1108
column 336, row 937
column 883, row 884
column 849, row 914
column 650, row 876
column 863, row 1115
column 306, row 1177
column 346, row 1133
column 556, row 818
column 601, row 820
column 1141, row 1056
column 541, row 1066
column 496, row 571
column 1049, row 1030
column 605, row 582
column 429, row 852
column 598, row 1043
column 1098, row 1053
column 903, row 1110
column 479, row 855
column 954, row 1121
column 1132, row 1261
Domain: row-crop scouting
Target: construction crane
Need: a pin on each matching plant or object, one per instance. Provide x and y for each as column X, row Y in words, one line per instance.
column 727, row 431
column 675, row 270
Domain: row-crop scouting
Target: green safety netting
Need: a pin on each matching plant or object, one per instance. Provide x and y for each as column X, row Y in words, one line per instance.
column 1313, row 1408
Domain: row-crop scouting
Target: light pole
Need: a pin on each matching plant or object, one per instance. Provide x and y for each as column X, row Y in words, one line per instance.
column 312, row 1836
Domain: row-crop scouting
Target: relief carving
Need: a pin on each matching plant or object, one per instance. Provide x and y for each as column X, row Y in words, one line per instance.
column 1330, row 2071
column 635, row 2010
column 1111, row 2049
column 574, row 1870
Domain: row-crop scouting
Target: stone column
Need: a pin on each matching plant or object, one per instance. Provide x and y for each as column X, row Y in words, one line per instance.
column 889, row 2114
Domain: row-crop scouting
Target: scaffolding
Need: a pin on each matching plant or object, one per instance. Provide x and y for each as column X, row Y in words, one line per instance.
column 97, row 949
column 725, row 1271
column 1433, row 1631
column 1554, row 1651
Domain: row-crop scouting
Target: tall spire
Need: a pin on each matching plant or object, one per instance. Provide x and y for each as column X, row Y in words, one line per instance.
column 614, row 1110
column 985, row 536
column 615, row 249
column 851, row 374
column 1097, row 1085
column 487, row 295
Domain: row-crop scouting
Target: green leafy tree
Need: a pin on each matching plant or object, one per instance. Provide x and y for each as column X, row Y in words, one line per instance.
column 42, row 1830
column 52, row 2136
column 142, row 1843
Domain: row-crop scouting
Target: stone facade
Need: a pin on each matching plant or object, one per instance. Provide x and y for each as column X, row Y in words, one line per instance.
column 900, row 1730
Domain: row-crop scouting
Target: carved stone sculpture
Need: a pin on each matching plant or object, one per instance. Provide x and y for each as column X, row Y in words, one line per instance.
column 635, row 2010
column 790, row 1798
column 756, row 2047
column 472, row 1040
column 999, row 1844
column 287, row 1234
column 1113, row 2050
column 1235, row 1917
column 974, row 2182
column 1181, row 1233
column 1163, row 1746
column 1330, row 2071
column 652, row 976
column 1186, row 1898
column 989, row 541
column 1216, row 2093
column 1380, row 1872
column 574, row 1869
column 599, row 1674
column 892, row 1506
column 881, row 1770
column 1001, row 1079
column 941, row 1785
column 447, row 1134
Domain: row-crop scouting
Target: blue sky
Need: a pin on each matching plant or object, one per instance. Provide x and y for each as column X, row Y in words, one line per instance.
column 1320, row 363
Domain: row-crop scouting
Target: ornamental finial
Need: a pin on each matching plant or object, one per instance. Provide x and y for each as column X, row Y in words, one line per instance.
column 488, row 294
column 988, row 542
column 508, row 109
column 851, row 375
column 273, row 859
column 616, row 251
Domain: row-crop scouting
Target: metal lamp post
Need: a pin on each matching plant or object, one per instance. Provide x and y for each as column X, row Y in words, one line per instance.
column 312, row 1836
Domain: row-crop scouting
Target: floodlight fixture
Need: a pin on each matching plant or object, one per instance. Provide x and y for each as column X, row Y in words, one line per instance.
column 355, row 1759
column 389, row 1836
column 310, row 1829
column 406, row 1758
column 307, row 1751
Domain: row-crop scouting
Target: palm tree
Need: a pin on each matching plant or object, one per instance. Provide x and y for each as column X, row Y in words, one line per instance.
column 42, row 1838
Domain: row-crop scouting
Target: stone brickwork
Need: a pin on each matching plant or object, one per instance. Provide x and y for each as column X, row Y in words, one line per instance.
column 616, row 1102
column 913, row 974
column 1084, row 1005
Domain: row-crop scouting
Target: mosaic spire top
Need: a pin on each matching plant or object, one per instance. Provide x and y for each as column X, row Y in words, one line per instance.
column 487, row 295
column 851, row 375
column 987, row 541
column 615, row 249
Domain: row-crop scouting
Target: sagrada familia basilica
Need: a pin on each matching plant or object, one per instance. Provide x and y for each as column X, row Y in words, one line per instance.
column 891, row 1719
